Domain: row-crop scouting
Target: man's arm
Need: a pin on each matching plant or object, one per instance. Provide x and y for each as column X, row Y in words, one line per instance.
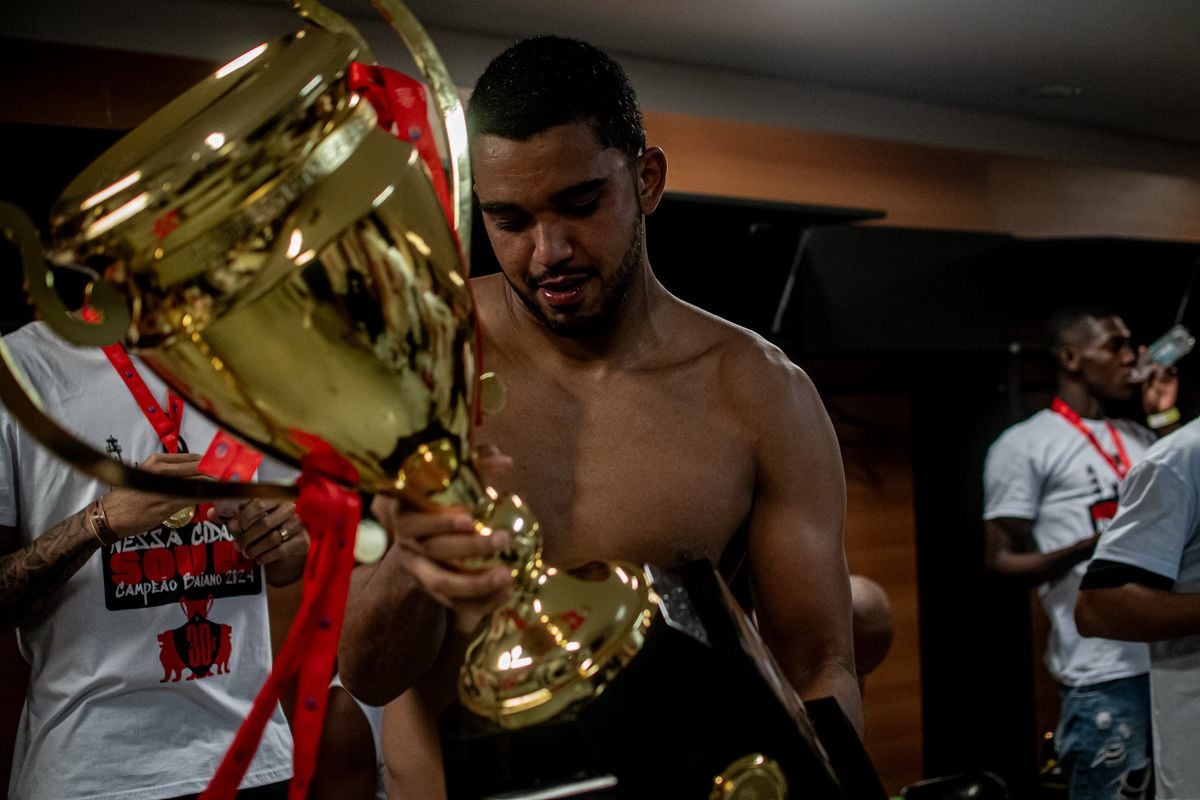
column 411, row 746
column 1134, row 612
column 392, row 631
column 1127, row 592
column 412, row 749
column 345, row 766
column 31, row 575
column 397, row 618
column 1010, row 551
column 796, row 551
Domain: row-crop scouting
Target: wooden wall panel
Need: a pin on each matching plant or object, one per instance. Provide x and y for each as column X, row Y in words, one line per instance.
column 88, row 87
column 1043, row 199
column 881, row 544
column 917, row 186
column 924, row 186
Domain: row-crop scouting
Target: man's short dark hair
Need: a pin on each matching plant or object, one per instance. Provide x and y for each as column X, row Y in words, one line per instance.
column 1065, row 319
column 545, row 81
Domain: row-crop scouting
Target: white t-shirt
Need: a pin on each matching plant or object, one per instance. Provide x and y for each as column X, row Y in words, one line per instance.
column 1045, row 470
column 147, row 660
column 1157, row 528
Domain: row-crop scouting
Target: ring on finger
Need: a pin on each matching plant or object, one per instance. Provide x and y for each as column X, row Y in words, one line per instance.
column 283, row 533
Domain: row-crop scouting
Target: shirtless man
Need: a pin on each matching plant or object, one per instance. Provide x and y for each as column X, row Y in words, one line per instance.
column 640, row 427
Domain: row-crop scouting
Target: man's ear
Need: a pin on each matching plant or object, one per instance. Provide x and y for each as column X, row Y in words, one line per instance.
column 651, row 178
column 1067, row 357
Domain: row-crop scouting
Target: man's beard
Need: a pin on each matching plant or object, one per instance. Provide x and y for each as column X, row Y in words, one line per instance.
column 612, row 295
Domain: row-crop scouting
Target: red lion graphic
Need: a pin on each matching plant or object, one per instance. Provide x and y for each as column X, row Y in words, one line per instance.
column 199, row 645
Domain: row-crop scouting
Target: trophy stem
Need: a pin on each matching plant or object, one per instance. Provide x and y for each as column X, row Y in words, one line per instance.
column 563, row 635
column 434, row 476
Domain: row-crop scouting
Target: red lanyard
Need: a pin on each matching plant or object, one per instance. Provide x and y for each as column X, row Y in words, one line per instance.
column 1120, row 464
column 166, row 422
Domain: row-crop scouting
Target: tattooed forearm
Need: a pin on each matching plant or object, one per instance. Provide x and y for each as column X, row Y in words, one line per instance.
column 29, row 576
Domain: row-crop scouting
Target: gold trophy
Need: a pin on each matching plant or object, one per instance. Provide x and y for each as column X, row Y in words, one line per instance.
column 286, row 265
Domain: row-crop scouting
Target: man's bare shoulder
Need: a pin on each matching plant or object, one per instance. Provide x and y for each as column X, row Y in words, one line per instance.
column 487, row 292
column 494, row 309
column 750, row 368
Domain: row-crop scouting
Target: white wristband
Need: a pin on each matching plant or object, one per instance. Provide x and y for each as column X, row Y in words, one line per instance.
column 1163, row 419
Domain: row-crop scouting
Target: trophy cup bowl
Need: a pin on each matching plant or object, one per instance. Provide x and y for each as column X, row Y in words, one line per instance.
column 284, row 261
column 287, row 265
column 280, row 260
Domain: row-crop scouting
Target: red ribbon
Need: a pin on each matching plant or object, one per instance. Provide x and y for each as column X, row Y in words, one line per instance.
column 331, row 513
column 227, row 459
column 401, row 108
column 1121, row 463
column 165, row 421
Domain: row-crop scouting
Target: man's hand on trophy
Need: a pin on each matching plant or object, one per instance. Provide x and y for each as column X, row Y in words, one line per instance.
column 266, row 531
column 129, row 512
column 490, row 463
column 433, row 546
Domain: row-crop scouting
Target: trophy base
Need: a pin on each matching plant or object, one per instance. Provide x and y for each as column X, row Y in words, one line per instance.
column 698, row 713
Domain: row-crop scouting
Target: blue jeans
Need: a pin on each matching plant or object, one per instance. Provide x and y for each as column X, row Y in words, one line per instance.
column 1104, row 740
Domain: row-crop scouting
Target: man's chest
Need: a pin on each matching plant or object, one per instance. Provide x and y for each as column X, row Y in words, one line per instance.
column 634, row 471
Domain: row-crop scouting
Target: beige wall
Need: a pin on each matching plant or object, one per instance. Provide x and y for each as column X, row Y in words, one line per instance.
column 924, row 186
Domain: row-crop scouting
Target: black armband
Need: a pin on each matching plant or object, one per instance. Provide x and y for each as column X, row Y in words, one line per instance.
column 1102, row 574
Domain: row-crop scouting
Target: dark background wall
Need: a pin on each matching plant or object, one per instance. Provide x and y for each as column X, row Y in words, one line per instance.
column 949, row 325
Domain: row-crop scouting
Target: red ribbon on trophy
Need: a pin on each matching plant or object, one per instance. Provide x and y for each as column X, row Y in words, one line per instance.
column 330, row 512
column 403, row 111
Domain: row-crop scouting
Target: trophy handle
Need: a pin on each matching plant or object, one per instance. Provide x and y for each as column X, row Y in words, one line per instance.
column 425, row 55
column 454, row 121
column 22, row 401
column 105, row 298
column 330, row 20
